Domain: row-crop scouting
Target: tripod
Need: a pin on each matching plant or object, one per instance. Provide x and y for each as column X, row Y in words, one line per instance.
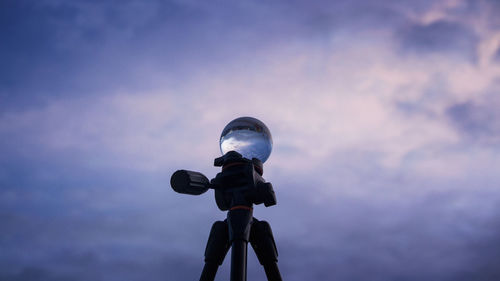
column 237, row 187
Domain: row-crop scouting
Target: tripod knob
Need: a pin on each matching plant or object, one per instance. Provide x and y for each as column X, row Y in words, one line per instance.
column 189, row 182
column 265, row 194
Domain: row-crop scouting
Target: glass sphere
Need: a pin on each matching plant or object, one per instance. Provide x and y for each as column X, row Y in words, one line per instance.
column 247, row 136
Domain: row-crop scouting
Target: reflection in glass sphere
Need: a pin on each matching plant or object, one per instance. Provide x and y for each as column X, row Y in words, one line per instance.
column 247, row 136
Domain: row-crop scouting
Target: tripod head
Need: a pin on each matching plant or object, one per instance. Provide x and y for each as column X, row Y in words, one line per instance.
column 240, row 183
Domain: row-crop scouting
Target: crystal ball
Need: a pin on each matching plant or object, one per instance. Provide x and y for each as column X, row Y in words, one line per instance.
column 247, row 136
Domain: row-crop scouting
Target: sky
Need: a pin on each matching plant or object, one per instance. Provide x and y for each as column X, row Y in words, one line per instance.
column 384, row 116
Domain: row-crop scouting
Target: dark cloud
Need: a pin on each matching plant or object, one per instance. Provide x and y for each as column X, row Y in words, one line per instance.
column 440, row 37
column 480, row 121
column 32, row 273
column 431, row 241
column 496, row 57
column 82, row 48
column 484, row 254
column 61, row 49
column 74, row 266
column 493, row 7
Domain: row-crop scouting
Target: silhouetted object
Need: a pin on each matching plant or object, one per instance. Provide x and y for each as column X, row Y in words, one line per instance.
column 237, row 187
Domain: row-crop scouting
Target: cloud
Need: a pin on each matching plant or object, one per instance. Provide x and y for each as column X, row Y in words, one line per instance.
column 74, row 266
column 94, row 48
column 384, row 143
column 497, row 55
column 477, row 119
column 440, row 37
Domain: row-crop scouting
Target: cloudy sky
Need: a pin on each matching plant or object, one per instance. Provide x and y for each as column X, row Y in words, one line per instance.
column 385, row 118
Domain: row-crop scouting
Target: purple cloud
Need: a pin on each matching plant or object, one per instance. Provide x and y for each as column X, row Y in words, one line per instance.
column 379, row 165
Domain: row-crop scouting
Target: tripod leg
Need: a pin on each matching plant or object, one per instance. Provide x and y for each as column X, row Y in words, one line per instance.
column 262, row 241
column 216, row 250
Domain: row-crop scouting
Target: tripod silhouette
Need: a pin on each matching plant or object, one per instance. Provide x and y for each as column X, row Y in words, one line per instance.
column 237, row 188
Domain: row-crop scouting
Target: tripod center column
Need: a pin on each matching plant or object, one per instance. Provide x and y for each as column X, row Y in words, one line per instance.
column 239, row 219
